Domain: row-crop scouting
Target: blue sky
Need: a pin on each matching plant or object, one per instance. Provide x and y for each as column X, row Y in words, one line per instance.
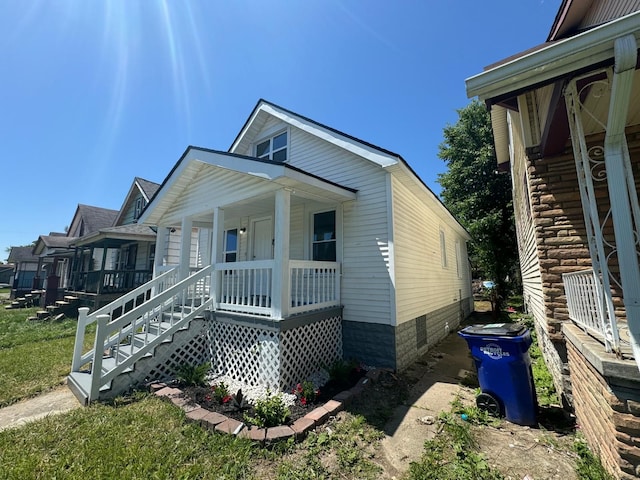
column 93, row 93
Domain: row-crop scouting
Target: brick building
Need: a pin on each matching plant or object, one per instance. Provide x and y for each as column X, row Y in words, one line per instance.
column 566, row 121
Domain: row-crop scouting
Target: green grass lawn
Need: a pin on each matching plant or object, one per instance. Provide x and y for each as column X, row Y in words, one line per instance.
column 34, row 356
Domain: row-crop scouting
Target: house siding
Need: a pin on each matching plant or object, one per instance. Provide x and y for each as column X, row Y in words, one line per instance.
column 365, row 266
column 522, row 170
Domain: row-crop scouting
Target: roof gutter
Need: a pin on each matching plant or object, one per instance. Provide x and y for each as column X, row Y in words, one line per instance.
column 555, row 61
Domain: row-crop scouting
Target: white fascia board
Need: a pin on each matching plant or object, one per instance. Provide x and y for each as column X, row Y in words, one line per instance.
column 334, row 190
column 556, row 60
column 349, row 144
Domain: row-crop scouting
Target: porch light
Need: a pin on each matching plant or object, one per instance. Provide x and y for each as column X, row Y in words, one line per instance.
column 243, row 230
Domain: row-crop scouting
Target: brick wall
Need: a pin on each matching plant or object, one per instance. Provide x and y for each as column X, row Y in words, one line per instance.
column 608, row 415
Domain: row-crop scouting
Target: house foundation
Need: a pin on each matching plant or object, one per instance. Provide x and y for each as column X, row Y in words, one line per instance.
column 607, row 402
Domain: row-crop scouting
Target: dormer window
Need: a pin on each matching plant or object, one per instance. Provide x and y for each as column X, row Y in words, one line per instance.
column 274, row 148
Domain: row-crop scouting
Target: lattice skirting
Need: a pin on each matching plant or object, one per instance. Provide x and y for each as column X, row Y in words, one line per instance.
column 268, row 356
column 189, row 346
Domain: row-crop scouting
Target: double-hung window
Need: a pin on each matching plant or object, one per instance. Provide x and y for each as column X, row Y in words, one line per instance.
column 324, row 237
column 231, row 245
column 274, row 148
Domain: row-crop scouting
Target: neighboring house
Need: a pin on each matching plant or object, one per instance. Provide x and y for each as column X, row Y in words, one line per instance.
column 566, row 121
column 112, row 254
column 25, row 276
column 6, row 273
column 54, row 254
column 314, row 246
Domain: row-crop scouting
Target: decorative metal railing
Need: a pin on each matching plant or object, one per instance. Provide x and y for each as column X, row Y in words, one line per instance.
column 591, row 307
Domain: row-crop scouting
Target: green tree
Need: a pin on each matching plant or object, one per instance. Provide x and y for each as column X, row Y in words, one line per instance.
column 480, row 197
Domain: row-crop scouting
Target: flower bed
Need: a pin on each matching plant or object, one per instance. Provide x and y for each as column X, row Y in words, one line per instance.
column 207, row 406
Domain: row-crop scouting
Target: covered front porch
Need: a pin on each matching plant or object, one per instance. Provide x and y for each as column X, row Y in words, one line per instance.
column 274, row 240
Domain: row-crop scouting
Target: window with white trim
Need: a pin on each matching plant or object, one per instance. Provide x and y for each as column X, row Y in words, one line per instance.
column 274, row 148
column 324, row 236
column 231, row 245
column 443, row 249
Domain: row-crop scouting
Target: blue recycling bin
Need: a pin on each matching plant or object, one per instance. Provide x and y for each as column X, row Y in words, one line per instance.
column 501, row 354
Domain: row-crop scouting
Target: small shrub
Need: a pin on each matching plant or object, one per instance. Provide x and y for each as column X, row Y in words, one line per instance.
column 340, row 371
column 219, row 394
column 192, row 375
column 269, row 412
column 306, row 392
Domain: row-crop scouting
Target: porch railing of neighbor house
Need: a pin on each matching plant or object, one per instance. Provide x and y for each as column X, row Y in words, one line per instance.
column 111, row 281
column 247, row 287
column 590, row 307
column 133, row 325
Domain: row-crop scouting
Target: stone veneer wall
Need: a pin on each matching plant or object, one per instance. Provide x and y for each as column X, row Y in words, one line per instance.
column 607, row 403
column 398, row 347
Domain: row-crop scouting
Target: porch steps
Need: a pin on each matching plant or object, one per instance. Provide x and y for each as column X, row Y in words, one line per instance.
column 80, row 382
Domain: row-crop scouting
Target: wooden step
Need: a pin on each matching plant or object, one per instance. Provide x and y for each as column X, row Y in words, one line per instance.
column 42, row 314
column 62, row 303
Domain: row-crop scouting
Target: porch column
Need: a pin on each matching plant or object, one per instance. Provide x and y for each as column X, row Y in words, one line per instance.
column 281, row 276
column 217, row 243
column 185, row 247
column 161, row 246
column 101, row 276
column 622, row 190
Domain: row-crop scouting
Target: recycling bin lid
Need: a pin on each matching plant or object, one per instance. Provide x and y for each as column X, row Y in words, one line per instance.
column 496, row 329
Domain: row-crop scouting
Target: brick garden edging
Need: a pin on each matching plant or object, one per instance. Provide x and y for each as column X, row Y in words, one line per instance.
column 298, row 430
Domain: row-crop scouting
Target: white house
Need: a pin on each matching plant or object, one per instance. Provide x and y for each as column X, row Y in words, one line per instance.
column 310, row 245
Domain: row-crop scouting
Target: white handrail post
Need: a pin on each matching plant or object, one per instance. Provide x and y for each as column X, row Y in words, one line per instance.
column 80, row 330
column 98, row 352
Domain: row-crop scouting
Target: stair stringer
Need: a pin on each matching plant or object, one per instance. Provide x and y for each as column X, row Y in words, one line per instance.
column 189, row 345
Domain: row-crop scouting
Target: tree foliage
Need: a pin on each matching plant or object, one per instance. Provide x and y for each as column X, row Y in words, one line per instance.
column 479, row 197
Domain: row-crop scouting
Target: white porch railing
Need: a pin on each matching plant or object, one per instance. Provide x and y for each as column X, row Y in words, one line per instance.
column 126, row 332
column 314, row 284
column 248, row 287
column 590, row 307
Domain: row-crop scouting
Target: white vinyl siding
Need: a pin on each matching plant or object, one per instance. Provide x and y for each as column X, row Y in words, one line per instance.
column 525, row 229
column 422, row 285
column 366, row 282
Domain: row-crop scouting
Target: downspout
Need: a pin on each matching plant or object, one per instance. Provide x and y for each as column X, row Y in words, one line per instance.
column 621, row 186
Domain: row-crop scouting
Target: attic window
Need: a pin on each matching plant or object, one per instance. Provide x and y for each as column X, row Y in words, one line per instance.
column 140, row 204
column 274, row 148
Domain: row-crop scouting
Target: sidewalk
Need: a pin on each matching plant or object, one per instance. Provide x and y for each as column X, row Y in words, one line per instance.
column 57, row 401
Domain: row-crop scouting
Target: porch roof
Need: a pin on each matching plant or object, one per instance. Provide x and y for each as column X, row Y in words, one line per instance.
column 116, row 236
column 262, row 173
column 554, row 61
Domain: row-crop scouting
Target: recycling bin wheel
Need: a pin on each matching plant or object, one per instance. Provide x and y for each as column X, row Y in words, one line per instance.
column 489, row 403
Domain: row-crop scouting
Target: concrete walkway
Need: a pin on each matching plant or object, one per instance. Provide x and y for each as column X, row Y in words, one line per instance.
column 438, row 376
column 57, row 401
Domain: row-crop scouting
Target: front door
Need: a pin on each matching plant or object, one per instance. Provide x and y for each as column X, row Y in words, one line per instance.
column 262, row 241
column 262, row 249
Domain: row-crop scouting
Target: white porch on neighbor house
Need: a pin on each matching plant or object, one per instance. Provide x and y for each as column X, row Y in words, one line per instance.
column 275, row 247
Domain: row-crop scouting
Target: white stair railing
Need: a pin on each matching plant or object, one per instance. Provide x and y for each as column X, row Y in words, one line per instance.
column 120, row 342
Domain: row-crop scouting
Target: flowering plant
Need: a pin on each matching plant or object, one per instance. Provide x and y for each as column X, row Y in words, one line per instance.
column 306, row 392
column 219, row 394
